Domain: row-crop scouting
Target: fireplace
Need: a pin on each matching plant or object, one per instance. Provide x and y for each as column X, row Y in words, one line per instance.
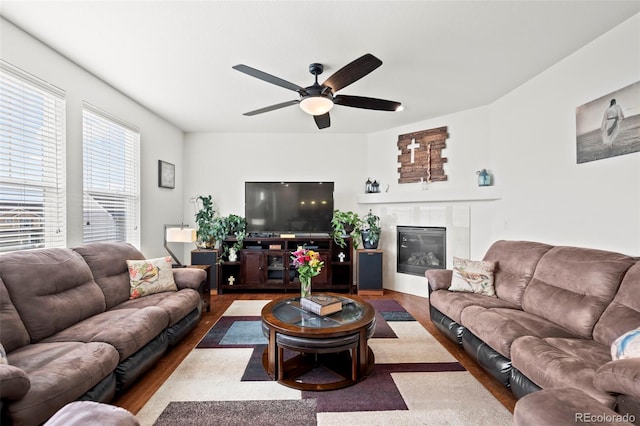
column 421, row 248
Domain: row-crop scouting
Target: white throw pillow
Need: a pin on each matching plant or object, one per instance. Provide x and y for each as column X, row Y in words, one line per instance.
column 3, row 355
column 150, row 276
column 627, row 345
column 473, row 276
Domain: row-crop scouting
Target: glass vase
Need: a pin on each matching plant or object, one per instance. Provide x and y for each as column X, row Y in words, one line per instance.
column 305, row 286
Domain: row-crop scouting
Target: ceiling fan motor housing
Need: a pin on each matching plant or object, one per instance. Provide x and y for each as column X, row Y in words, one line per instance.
column 316, row 69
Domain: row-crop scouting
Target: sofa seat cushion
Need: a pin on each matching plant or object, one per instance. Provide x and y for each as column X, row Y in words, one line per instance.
column 499, row 327
column 564, row 406
column 452, row 303
column 59, row 373
column 128, row 330
column 562, row 362
column 176, row 304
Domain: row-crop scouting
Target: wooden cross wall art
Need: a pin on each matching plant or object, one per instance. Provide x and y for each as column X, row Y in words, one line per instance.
column 421, row 155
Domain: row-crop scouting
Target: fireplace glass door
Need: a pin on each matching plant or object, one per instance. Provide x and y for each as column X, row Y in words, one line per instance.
column 421, row 248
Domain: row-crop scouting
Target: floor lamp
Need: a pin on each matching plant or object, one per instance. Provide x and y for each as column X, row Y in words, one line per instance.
column 178, row 234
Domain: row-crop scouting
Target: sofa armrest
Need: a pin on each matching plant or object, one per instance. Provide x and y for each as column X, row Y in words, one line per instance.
column 439, row 279
column 621, row 376
column 14, row 382
column 189, row 277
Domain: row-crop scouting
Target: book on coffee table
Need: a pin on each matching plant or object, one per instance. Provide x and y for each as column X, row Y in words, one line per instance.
column 321, row 304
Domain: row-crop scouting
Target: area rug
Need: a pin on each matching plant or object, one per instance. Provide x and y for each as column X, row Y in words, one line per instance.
column 414, row 381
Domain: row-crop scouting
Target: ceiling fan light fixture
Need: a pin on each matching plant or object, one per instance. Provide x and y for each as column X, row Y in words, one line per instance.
column 316, row 105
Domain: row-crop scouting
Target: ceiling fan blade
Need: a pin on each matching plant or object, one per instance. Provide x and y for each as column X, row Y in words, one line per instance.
column 352, row 72
column 366, row 103
column 272, row 107
column 267, row 77
column 322, row 121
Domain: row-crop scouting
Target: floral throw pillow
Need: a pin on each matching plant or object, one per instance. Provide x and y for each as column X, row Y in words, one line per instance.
column 150, row 276
column 627, row 345
column 473, row 276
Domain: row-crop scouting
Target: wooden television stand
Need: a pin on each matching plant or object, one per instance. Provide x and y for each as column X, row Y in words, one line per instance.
column 264, row 264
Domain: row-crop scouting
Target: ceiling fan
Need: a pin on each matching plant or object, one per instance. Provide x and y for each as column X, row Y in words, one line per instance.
column 318, row 99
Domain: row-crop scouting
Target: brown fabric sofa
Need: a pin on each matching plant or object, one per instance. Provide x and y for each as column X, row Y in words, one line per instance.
column 556, row 314
column 71, row 332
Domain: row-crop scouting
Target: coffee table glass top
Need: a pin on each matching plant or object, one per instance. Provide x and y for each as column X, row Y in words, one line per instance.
column 290, row 312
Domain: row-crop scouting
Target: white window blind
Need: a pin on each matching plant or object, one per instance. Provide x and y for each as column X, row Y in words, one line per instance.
column 111, row 178
column 32, row 162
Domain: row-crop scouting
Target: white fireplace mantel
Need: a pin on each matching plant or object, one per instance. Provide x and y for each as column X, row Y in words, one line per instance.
column 486, row 193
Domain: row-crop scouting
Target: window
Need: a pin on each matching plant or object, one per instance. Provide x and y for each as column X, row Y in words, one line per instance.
column 32, row 167
column 111, row 195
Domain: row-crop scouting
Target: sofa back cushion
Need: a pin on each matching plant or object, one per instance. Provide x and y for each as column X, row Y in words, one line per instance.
column 50, row 288
column 623, row 313
column 572, row 286
column 515, row 263
column 108, row 263
column 13, row 333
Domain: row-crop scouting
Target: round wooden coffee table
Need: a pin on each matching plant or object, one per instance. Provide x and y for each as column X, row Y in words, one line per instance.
column 337, row 342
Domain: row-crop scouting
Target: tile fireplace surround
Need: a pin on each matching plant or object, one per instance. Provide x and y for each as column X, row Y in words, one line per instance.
column 453, row 208
column 456, row 219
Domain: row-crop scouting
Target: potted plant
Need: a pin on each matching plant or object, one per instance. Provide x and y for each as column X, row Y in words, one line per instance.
column 345, row 224
column 205, row 218
column 370, row 230
column 227, row 226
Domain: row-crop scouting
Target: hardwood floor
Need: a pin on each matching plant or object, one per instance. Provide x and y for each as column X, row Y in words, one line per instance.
column 136, row 397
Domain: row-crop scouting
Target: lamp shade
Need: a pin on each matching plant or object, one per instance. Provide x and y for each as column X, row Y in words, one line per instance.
column 180, row 235
column 316, row 105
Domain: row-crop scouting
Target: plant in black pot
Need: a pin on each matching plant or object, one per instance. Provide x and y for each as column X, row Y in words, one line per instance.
column 343, row 225
column 370, row 230
column 224, row 227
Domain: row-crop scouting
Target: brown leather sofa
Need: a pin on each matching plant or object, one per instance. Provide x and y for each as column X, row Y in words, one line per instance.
column 71, row 332
column 556, row 314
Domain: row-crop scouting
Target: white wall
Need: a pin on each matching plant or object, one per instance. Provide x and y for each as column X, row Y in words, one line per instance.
column 220, row 163
column 158, row 138
column 527, row 140
column 547, row 195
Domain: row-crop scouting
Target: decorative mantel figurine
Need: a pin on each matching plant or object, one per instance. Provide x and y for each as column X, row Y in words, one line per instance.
column 233, row 256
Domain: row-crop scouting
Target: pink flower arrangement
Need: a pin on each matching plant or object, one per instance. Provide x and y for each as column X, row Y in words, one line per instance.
column 307, row 262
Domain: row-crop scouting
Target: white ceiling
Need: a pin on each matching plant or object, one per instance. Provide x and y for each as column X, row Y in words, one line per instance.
column 175, row 57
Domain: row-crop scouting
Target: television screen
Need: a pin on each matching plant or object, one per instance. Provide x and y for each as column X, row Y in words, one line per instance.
column 288, row 207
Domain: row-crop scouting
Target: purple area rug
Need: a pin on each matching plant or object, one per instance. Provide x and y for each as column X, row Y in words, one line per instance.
column 414, row 381
column 246, row 332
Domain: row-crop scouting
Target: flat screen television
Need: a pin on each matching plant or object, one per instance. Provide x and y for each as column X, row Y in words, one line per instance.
column 288, row 207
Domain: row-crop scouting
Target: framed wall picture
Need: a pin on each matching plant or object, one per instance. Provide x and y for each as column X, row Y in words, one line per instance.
column 609, row 126
column 166, row 175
